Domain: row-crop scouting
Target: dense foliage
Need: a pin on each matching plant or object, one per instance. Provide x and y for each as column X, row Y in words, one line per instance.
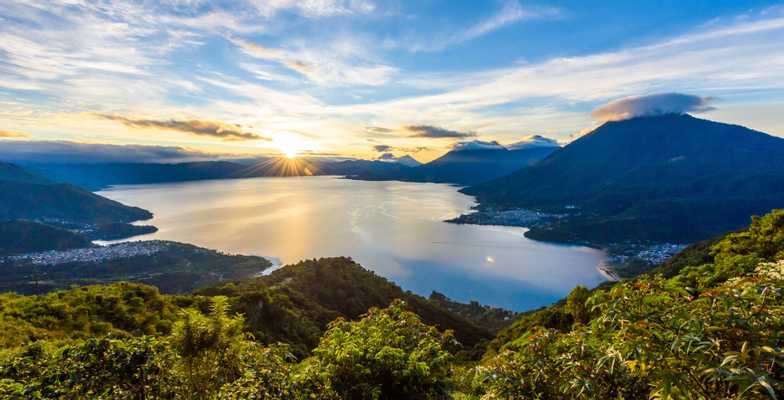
column 295, row 304
column 707, row 326
column 388, row 354
column 121, row 309
column 711, row 331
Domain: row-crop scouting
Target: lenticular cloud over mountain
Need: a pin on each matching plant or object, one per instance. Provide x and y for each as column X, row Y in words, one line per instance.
column 533, row 141
column 650, row 105
column 477, row 145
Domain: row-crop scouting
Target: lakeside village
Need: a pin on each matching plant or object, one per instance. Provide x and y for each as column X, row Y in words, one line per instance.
column 620, row 255
column 89, row 254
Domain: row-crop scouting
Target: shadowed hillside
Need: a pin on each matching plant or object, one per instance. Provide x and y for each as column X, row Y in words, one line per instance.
column 640, row 179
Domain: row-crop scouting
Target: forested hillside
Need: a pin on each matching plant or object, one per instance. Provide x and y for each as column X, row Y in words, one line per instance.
column 707, row 325
column 296, row 303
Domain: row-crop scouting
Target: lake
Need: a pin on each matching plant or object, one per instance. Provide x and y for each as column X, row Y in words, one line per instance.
column 392, row 228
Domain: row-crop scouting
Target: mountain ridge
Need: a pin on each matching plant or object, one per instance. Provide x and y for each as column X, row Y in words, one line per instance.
column 647, row 173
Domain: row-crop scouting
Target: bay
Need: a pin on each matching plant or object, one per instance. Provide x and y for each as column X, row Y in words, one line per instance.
column 395, row 229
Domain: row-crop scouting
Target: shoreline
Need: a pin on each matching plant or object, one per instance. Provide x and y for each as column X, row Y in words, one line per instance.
column 624, row 259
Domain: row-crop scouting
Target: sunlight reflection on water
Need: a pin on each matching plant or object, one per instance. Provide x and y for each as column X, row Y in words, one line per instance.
column 392, row 228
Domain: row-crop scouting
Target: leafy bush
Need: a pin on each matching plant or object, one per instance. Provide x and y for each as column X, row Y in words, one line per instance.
column 388, row 354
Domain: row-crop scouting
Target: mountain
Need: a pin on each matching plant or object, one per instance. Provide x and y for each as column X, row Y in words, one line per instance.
column 26, row 195
column 27, row 236
column 470, row 163
column 14, row 173
column 100, row 175
column 405, row 160
column 641, row 178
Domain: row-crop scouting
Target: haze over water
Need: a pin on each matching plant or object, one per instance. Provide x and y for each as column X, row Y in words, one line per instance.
column 392, row 228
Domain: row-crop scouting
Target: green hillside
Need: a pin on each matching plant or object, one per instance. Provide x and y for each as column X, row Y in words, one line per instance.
column 296, row 303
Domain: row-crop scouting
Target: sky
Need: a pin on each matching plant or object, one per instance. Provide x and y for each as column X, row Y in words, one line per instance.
column 349, row 77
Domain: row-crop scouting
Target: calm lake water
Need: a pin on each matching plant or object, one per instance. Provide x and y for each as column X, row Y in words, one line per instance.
column 392, row 228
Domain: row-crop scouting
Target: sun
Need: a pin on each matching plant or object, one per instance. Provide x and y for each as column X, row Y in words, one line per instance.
column 289, row 152
column 290, row 146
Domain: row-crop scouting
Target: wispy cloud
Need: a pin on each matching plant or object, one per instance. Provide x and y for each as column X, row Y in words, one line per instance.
column 315, row 8
column 12, row 134
column 339, row 64
column 214, row 129
column 510, row 12
column 654, row 104
column 434, row 132
column 318, row 66
column 684, row 63
column 74, row 152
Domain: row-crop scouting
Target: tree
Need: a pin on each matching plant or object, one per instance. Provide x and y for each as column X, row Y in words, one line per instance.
column 210, row 348
column 388, row 354
column 575, row 304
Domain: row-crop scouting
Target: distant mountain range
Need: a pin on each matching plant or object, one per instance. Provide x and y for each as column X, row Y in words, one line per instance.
column 26, row 195
column 467, row 163
column 672, row 178
column 97, row 176
column 472, row 162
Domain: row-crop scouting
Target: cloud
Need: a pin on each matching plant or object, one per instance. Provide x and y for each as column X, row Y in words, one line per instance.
column 380, row 132
column 66, row 152
column 533, row 141
column 567, row 87
column 387, row 156
column 315, row 8
column 510, row 12
column 428, row 131
column 196, row 127
column 477, row 145
column 343, row 62
column 12, row 134
column 654, row 104
column 381, row 148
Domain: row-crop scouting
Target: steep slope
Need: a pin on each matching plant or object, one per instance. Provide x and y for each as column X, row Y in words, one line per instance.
column 62, row 203
column 27, row 195
column 26, row 236
column 14, row 173
column 640, row 178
